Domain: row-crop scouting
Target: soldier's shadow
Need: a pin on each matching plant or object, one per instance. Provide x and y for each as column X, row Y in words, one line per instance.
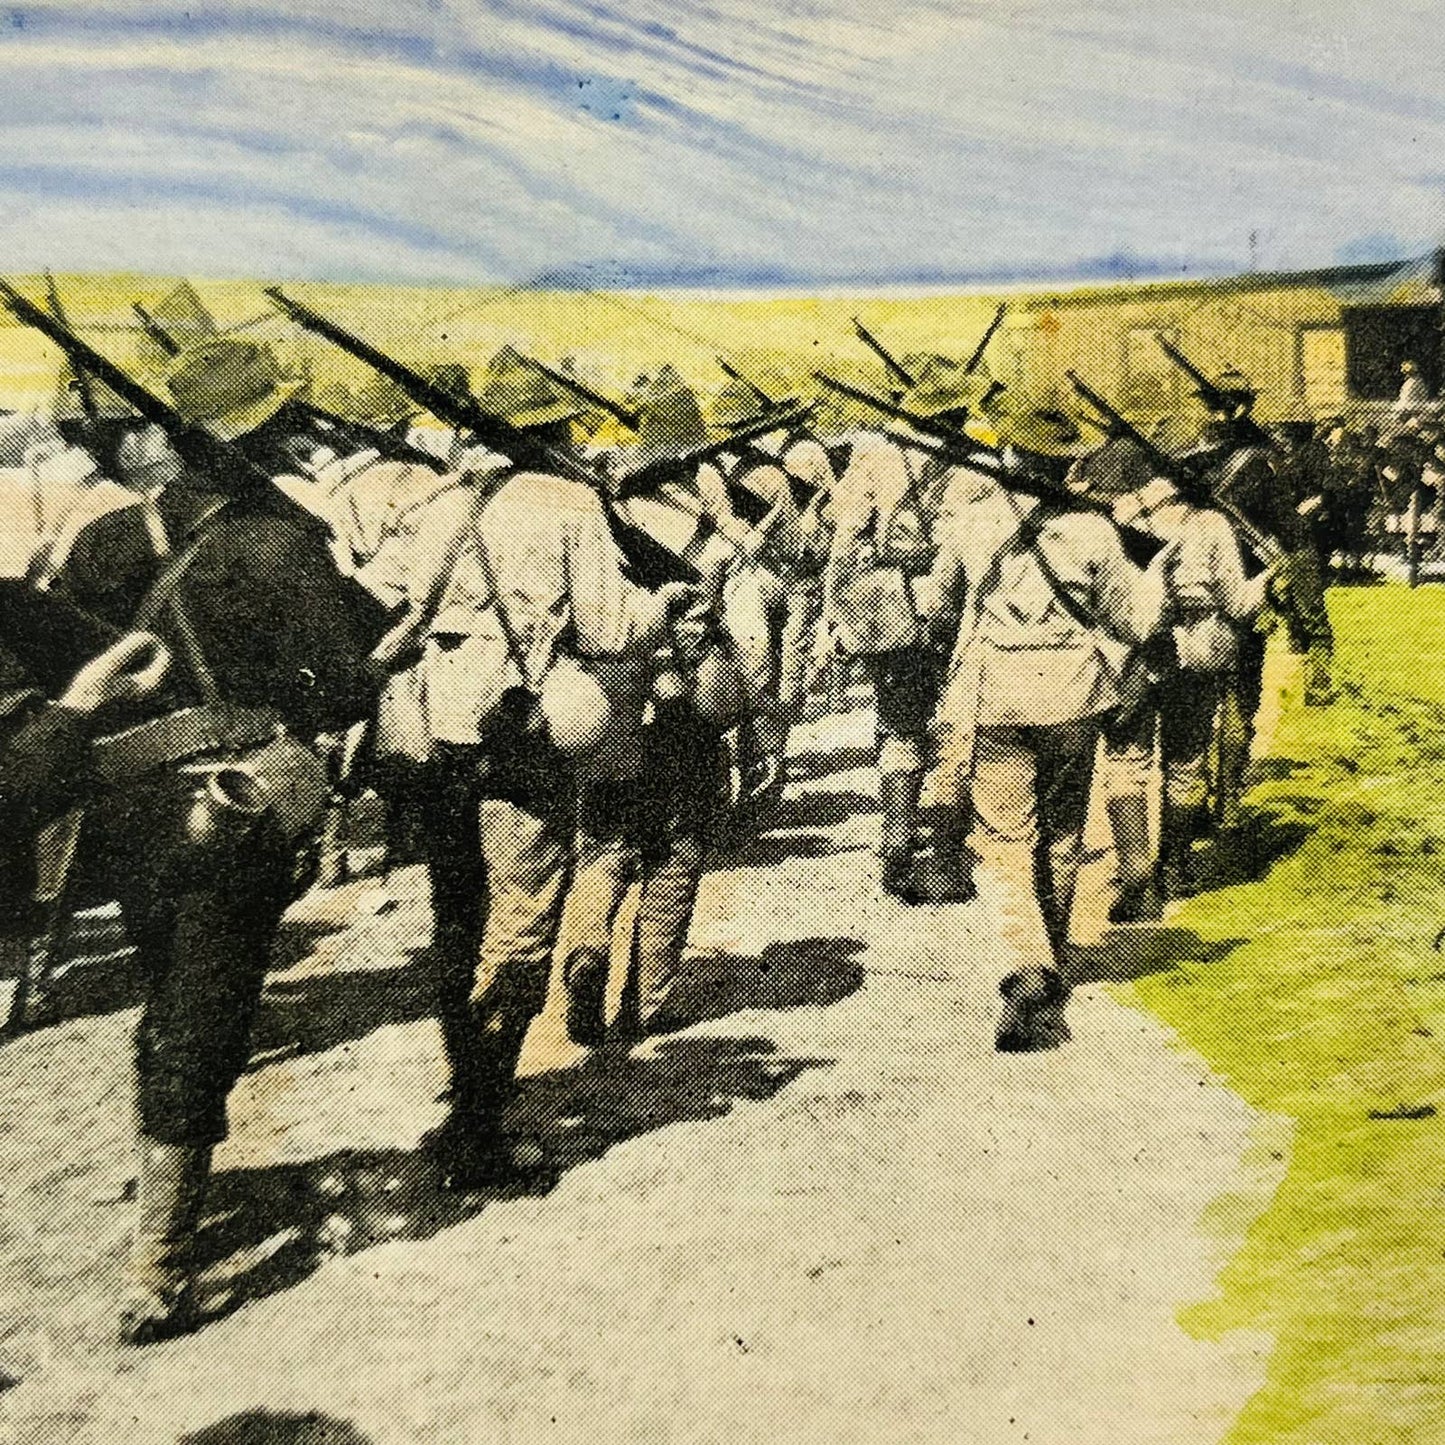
column 263, row 1427
column 793, row 973
column 1136, row 951
column 268, row 1229
column 821, row 808
column 318, row 1011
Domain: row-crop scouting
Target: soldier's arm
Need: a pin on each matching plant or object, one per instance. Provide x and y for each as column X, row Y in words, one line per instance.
column 939, row 592
column 1240, row 597
column 43, row 755
column 611, row 616
column 1131, row 601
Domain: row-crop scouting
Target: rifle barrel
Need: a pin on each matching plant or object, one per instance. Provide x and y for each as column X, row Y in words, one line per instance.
column 1206, row 387
column 83, row 388
column 653, row 474
column 155, row 330
column 974, row 361
column 730, row 370
column 630, row 419
column 895, row 367
column 1265, row 548
column 942, row 431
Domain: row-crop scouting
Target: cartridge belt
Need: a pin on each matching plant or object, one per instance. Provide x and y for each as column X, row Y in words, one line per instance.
column 181, row 737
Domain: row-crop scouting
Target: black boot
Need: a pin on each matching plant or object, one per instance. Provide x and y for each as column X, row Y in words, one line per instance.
column 943, row 874
column 1180, row 828
column 1033, row 1013
column 475, row 1149
column 170, row 1196
column 584, row 979
column 898, row 795
column 1138, row 899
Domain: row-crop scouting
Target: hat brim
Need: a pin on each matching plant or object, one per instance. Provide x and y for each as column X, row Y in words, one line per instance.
column 233, row 424
column 548, row 415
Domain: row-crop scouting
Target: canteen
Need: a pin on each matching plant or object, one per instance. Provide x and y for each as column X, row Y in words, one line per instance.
column 668, row 686
column 718, row 691
column 224, row 806
column 576, row 708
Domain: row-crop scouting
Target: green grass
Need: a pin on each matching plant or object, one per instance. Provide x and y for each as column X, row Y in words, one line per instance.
column 1330, row 1006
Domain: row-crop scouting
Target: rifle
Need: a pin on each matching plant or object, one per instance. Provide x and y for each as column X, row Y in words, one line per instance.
column 1138, row 544
column 976, row 359
column 953, row 444
column 157, row 333
column 459, row 410
column 387, row 441
column 192, row 443
column 893, row 365
column 665, row 469
column 195, row 446
column 765, row 400
column 1189, row 481
column 630, row 419
column 84, row 390
column 954, row 436
column 1221, row 399
column 648, row 562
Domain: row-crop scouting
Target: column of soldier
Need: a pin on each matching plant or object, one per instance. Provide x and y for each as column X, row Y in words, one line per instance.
column 551, row 659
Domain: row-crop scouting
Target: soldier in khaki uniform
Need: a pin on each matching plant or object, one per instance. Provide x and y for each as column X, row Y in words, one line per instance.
column 503, row 803
column 1049, row 607
column 1211, row 603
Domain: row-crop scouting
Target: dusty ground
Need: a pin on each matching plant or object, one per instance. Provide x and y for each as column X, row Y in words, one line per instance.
column 827, row 1212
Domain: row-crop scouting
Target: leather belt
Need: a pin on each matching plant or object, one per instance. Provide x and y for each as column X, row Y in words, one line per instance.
column 180, row 737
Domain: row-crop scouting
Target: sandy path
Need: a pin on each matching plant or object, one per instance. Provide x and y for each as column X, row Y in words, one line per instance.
column 830, row 1213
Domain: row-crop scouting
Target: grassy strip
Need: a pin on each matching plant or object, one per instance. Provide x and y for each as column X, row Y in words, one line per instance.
column 1319, row 994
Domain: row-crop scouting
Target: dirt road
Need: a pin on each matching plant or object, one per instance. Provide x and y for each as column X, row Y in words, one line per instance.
column 827, row 1212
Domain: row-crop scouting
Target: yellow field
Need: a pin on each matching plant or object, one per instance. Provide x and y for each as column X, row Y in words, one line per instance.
column 1285, row 331
column 613, row 337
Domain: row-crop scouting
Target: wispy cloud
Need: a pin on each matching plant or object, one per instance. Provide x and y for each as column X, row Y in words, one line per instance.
column 714, row 139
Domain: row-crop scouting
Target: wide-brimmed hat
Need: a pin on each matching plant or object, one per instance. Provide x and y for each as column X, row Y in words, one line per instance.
column 1115, row 469
column 1040, row 431
column 669, row 418
column 734, row 406
column 453, row 378
column 522, row 395
column 230, row 386
column 944, row 388
column 379, row 401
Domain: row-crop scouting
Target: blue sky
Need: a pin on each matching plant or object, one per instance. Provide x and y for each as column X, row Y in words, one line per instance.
column 716, row 141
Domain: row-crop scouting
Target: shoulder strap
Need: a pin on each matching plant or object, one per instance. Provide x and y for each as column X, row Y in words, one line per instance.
column 1027, row 538
column 513, row 643
column 163, row 591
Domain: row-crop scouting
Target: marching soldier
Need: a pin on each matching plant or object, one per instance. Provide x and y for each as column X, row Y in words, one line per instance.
column 877, row 519
column 1291, row 511
column 202, row 855
column 517, row 594
column 656, row 828
column 1049, row 606
column 1176, row 693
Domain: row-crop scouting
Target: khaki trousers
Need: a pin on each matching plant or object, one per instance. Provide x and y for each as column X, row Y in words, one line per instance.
column 1030, row 802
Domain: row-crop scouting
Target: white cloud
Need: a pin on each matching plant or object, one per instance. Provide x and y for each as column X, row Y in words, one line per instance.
column 472, row 141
